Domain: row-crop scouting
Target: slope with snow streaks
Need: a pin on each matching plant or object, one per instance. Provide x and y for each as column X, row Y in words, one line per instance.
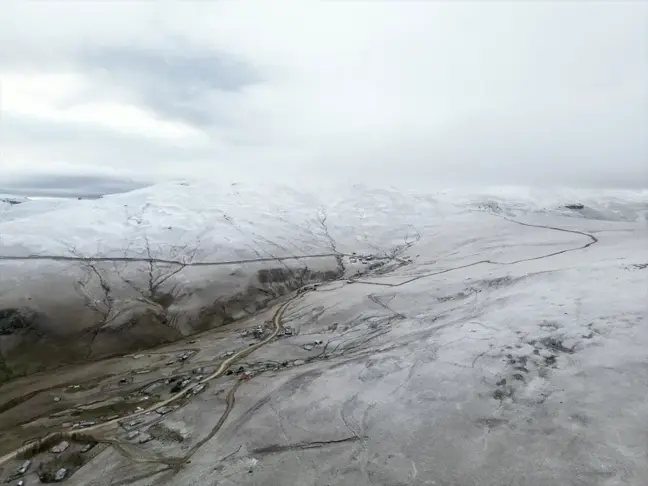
column 228, row 217
column 237, row 222
column 494, row 347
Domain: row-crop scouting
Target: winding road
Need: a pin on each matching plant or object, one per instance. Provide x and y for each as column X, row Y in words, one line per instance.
column 61, row 258
column 593, row 240
column 277, row 318
column 276, row 321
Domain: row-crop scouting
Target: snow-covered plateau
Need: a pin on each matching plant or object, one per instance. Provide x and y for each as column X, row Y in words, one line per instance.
column 224, row 334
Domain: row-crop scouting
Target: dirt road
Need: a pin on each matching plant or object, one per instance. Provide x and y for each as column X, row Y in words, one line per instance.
column 276, row 321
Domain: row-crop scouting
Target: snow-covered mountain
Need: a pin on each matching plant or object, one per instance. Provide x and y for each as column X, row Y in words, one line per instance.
column 229, row 218
column 225, row 238
column 456, row 337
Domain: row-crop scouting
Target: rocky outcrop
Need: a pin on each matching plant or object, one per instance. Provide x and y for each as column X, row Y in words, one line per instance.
column 575, row 206
column 12, row 200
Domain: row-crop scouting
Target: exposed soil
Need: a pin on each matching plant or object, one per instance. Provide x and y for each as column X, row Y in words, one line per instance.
column 28, row 345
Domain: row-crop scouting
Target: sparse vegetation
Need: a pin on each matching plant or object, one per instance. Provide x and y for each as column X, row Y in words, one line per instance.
column 5, row 372
column 98, row 285
column 165, row 434
column 15, row 321
column 119, row 292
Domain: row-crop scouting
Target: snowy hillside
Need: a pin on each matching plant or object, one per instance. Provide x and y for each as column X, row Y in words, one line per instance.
column 453, row 338
column 224, row 237
column 229, row 219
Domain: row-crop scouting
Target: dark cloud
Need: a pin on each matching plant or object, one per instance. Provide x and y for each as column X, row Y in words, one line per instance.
column 56, row 185
column 175, row 83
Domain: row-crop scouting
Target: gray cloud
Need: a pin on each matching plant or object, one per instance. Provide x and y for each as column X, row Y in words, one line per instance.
column 409, row 94
column 53, row 185
column 177, row 83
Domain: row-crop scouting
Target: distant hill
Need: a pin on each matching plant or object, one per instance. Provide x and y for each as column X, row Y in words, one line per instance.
column 93, row 278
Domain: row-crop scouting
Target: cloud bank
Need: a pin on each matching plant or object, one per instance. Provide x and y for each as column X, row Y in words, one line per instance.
column 403, row 93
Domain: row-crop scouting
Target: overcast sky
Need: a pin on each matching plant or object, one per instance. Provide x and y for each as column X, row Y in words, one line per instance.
column 103, row 95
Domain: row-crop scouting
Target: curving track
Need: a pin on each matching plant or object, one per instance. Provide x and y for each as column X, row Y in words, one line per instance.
column 277, row 326
column 276, row 321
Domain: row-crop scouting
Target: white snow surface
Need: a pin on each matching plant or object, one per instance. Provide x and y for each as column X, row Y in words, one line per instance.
column 7, row 201
column 508, row 352
column 228, row 219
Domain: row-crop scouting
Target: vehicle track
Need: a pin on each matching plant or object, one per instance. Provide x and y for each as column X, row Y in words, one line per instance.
column 231, row 400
